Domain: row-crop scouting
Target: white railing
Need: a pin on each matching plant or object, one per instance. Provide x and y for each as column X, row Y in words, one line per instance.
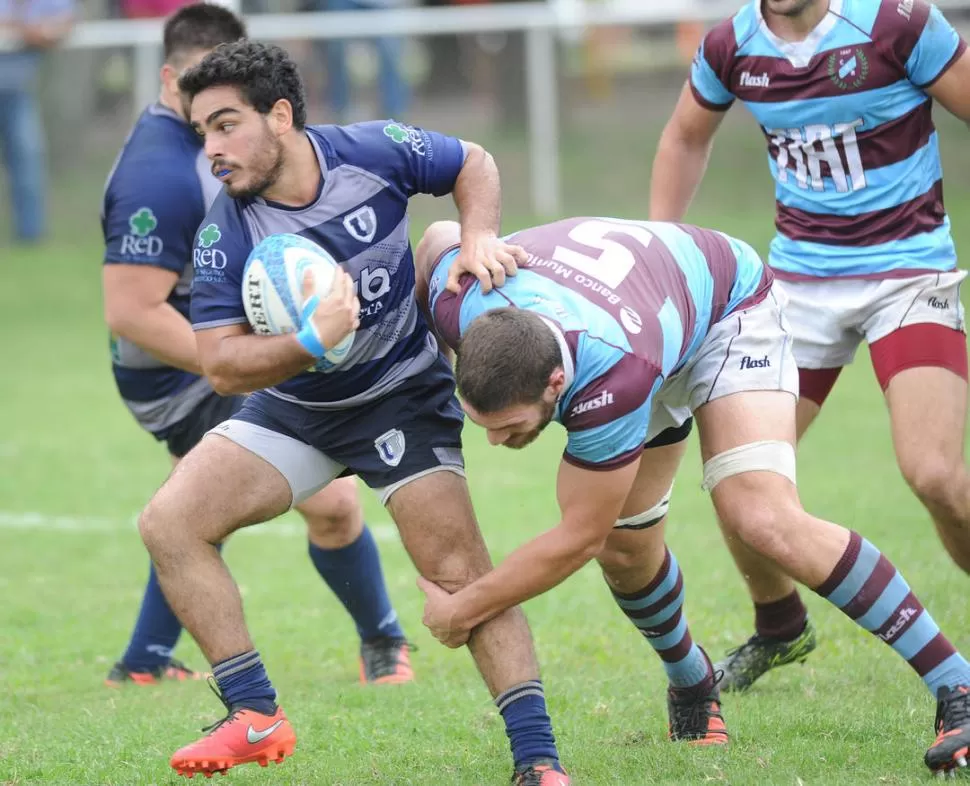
column 540, row 22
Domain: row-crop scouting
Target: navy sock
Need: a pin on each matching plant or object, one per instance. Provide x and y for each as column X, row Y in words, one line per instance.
column 527, row 724
column 156, row 631
column 243, row 682
column 355, row 576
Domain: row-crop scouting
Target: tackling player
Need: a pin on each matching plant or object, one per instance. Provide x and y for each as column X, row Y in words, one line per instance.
column 156, row 196
column 388, row 413
column 622, row 331
column 843, row 91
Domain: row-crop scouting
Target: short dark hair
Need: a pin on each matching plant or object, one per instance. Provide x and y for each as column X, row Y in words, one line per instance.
column 200, row 26
column 505, row 359
column 263, row 73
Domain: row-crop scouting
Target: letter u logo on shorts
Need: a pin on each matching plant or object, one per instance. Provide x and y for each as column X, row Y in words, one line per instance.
column 390, row 447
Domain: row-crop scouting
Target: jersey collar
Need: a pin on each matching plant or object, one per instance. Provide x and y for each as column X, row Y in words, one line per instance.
column 568, row 364
column 800, row 53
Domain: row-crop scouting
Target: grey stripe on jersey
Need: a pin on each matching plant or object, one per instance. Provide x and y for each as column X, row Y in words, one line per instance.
column 345, row 187
column 395, row 375
column 164, row 412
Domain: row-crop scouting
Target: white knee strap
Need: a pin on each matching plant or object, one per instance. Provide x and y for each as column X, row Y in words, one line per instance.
column 649, row 517
column 769, row 455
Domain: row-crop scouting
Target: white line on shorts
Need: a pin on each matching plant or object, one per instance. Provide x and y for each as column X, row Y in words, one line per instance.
column 32, row 520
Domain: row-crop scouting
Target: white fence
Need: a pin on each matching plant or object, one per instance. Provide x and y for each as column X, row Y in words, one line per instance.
column 541, row 23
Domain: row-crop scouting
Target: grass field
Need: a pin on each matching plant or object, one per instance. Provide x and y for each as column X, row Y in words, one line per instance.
column 75, row 469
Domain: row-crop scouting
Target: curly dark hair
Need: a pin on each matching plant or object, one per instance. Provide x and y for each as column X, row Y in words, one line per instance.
column 198, row 27
column 263, row 73
column 505, row 359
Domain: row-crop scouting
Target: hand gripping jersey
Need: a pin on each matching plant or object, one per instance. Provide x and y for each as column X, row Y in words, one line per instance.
column 851, row 141
column 633, row 302
column 370, row 170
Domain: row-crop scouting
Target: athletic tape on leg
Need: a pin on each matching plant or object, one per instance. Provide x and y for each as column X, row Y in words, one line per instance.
column 649, row 517
column 769, row 455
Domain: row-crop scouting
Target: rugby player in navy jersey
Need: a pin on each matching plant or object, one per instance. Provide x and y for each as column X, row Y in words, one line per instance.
column 388, row 413
column 155, row 198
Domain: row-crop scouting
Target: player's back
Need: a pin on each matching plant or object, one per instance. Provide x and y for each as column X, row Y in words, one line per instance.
column 851, row 141
column 648, row 290
column 155, row 196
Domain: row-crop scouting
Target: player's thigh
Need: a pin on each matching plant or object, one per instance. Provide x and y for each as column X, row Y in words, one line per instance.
column 927, row 412
column 216, row 488
column 266, row 431
column 437, row 523
column 407, row 448
column 745, row 412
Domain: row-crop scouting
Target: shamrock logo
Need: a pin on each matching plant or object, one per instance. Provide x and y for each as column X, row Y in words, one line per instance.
column 142, row 222
column 209, row 235
column 397, row 132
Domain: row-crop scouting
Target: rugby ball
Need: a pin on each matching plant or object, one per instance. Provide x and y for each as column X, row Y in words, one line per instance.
column 272, row 288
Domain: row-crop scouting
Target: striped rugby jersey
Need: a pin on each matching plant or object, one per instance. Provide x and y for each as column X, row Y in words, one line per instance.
column 632, row 301
column 851, row 141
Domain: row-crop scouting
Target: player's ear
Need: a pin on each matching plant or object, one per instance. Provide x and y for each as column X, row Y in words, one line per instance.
column 281, row 116
column 557, row 382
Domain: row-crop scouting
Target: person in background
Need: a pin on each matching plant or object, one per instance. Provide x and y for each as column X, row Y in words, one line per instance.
column 28, row 28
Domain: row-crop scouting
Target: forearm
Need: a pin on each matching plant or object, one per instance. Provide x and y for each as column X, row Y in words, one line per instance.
column 678, row 168
column 163, row 333
column 478, row 194
column 530, row 570
column 242, row 364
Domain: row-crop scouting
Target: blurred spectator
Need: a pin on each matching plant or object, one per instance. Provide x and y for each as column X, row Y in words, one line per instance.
column 395, row 93
column 149, row 9
column 27, row 29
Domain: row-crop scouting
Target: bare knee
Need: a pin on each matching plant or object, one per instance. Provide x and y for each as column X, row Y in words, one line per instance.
column 762, row 522
column 933, row 479
column 160, row 525
column 334, row 516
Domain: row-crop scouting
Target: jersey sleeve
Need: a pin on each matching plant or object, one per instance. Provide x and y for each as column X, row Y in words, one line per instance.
column 222, row 245
column 937, row 48
column 416, row 160
column 151, row 225
column 710, row 67
column 607, row 422
column 444, row 305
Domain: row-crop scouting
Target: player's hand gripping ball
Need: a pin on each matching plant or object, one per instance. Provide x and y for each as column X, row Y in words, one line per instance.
column 292, row 285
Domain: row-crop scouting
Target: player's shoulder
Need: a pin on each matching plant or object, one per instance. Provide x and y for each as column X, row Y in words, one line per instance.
column 724, row 40
column 159, row 155
column 896, row 25
column 366, row 143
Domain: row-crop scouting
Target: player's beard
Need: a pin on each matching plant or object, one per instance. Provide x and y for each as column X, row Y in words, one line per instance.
column 264, row 170
column 791, row 8
column 547, row 411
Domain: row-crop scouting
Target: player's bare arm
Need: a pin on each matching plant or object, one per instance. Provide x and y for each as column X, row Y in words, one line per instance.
column 237, row 361
column 952, row 90
column 681, row 159
column 136, row 307
column 478, row 195
column 590, row 503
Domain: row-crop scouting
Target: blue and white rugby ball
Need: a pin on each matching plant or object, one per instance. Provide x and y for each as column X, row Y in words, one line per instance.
column 272, row 288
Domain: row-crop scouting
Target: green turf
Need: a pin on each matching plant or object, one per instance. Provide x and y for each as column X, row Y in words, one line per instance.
column 853, row 714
